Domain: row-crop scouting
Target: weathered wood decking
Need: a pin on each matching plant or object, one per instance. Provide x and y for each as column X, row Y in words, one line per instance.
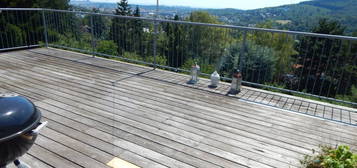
column 99, row 109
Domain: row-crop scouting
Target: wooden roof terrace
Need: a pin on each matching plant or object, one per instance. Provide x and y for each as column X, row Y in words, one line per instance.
column 101, row 109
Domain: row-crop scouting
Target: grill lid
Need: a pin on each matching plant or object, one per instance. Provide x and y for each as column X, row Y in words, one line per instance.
column 18, row 115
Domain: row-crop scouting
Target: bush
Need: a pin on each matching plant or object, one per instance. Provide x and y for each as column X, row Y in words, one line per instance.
column 18, row 39
column 160, row 60
column 132, row 56
column 204, row 68
column 352, row 97
column 67, row 40
column 328, row 157
column 107, row 47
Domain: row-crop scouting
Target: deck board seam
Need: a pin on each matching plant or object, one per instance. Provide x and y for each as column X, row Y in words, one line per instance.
column 145, row 131
column 111, row 132
column 149, row 132
column 111, row 61
column 58, row 155
column 219, row 93
column 54, row 140
column 124, row 150
column 259, row 92
column 195, row 124
column 39, row 159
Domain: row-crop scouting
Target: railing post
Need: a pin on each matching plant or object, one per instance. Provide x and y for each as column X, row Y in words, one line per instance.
column 45, row 28
column 92, row 34
column 155, row 34
column 242, row 50
column 155, row 43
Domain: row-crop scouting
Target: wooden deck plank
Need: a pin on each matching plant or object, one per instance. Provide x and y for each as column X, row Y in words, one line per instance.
column 84, row 129
column 105, row 146
column 68, row 153
column 151, row 127
column 31, row 161
column 51, row 157
column 217, row 100
column 59, row 123
column 101, row 61
column 149, row 144
column 169, row 164
column 87, row 150
column 252, row 97
column 135, row 124
column 114, row 136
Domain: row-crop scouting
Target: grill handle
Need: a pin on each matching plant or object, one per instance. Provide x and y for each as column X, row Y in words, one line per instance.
column 37, row 130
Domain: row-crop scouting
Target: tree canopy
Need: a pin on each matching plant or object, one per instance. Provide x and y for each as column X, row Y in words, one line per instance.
column 323, row 61
column 51, row 4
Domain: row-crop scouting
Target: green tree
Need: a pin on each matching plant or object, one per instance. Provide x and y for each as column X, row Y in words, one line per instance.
column 174, row 45
column 99, row 24
column 258, row 66
column 123, row 8
column 283, row 46
column 119, row 28
column 137, row 12
column 322, row 60
column 136, row 33
column 51, row 4
column 207, row 44
column 22, row 27
column 349, row 85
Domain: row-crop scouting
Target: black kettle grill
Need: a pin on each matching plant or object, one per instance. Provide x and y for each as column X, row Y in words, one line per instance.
column 19, row 127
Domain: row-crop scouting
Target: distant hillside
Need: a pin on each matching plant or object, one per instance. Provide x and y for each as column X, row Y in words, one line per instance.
column 165, row 11
column 342, row 10
column 300, row 16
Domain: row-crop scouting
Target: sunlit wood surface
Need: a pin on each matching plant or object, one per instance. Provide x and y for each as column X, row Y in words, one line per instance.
column 99, row 110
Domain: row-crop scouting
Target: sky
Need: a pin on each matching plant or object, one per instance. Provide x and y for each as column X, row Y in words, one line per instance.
column 238, row 4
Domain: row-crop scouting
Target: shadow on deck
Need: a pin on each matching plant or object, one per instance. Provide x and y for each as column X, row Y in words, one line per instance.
column 100, row 109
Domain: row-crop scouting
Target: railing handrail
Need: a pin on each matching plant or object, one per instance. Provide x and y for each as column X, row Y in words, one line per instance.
column 245, row 28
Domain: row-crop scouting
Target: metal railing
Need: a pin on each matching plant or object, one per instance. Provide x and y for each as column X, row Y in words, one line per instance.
column 316, row 65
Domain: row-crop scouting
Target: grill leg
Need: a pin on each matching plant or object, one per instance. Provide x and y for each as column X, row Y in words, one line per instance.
column 19, row 164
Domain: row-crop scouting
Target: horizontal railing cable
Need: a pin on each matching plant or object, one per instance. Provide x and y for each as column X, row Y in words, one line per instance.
column 298, row 63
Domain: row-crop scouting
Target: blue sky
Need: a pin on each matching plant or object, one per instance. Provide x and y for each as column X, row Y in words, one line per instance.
column 238, row 4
